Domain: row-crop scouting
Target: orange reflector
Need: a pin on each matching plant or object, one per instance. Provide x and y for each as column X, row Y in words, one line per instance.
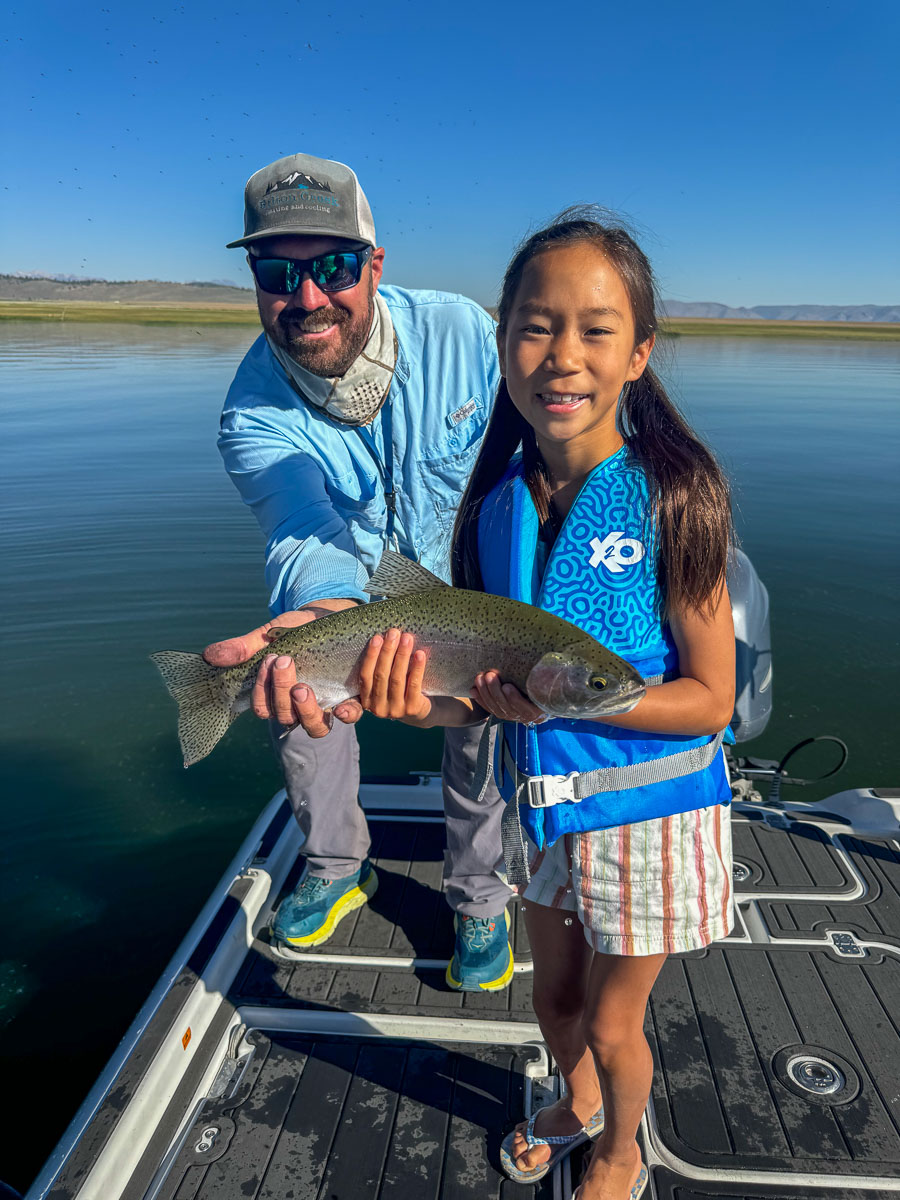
column 186, row 1038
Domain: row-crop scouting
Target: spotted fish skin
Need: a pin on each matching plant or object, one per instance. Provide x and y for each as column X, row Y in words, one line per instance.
column 463, row 632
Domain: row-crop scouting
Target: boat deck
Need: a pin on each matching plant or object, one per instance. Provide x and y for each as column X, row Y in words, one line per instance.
column 350, row 1071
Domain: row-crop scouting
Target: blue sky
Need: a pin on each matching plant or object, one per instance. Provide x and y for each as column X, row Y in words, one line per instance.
column 755, row 145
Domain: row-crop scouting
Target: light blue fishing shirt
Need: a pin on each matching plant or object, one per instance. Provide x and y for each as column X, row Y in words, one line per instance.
column 313, row 483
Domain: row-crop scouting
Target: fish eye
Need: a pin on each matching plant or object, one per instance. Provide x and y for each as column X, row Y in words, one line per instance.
column 597, row 682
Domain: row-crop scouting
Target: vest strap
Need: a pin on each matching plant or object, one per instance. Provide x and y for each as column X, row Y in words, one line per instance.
column 482, row 776
column 479, row 783
column 543, row 791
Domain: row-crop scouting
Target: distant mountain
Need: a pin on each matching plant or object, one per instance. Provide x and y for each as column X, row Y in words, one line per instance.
column 40, row 286
column 135, row 291
column 784, row 312
column 58, row 278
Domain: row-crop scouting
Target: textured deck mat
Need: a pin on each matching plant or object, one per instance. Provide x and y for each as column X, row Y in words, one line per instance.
column 723, row 1025
column 408, row 916
column 335, row 1118
column 675, row 1187
column 873, row 917
column 798, row 859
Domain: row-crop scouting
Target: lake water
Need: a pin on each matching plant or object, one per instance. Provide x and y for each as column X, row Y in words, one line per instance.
column 123, row 536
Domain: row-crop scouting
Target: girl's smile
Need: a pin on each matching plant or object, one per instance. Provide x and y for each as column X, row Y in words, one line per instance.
column 567, row 402
column 568, row 349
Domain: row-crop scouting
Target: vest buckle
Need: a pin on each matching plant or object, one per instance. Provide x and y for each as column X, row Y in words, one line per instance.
column 546, row 790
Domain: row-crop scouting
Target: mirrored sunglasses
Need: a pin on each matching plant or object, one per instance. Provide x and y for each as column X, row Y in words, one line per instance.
column 333, row 272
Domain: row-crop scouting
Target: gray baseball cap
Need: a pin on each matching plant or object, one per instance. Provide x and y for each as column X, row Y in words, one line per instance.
column 303, row 195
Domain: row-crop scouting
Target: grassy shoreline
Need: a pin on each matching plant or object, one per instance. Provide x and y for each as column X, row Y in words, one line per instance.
column 239, row 314
column 92, row 311
column 723, row 327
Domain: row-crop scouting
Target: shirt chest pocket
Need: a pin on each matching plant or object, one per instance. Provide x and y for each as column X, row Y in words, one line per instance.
column 444, row 479
column 444, row 468
column 358, row 499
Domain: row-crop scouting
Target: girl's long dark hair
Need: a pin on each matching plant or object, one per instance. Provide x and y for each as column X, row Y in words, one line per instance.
column 690, row 504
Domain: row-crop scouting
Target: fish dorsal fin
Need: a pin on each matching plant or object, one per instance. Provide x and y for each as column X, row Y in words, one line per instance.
column 400, row 576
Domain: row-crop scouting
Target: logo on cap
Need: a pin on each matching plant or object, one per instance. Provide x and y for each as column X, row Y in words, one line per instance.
column 297, row 179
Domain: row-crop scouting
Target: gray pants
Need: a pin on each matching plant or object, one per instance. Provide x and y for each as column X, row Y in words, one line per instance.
column 322, row 778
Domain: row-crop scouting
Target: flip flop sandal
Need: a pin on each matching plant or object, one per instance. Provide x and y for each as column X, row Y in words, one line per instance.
column 561, row 1146
column 637, row 1190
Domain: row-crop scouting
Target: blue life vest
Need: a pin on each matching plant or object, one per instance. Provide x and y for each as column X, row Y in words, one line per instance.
column 601, row 576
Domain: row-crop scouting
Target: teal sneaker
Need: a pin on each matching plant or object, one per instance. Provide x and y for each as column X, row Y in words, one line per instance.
column 482, row 960
column 315, row 908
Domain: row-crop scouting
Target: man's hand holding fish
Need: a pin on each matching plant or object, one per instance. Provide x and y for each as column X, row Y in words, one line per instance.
column 276, row 692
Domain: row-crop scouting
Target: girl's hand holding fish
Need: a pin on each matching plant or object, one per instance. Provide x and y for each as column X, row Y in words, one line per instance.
column 504, row 700
column 390, row 686
column 391, row 676
column 390, row 679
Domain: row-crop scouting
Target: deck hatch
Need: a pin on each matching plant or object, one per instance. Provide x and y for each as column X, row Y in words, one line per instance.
column 872, row 917
column 721, row 1023
column 795, row 858
column 669, row 1186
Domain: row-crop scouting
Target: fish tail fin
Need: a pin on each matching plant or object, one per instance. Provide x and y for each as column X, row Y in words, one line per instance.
column 204, row 713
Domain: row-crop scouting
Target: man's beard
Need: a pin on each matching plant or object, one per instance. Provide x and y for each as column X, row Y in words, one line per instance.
column 321, row 358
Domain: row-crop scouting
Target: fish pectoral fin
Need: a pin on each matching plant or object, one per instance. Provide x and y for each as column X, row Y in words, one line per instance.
column 272, row 635
column 396, row 575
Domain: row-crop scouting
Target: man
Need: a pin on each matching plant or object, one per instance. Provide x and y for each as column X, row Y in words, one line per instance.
column 352, row 424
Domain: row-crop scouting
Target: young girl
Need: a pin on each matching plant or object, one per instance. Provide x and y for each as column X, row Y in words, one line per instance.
column 592, row 498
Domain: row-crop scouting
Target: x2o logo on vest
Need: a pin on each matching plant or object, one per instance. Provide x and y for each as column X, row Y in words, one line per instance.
column 616, row 552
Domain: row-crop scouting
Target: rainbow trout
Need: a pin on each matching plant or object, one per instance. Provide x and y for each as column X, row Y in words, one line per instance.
column 561, row 669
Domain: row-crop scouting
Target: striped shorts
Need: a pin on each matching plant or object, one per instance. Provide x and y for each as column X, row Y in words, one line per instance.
column 656, row 887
